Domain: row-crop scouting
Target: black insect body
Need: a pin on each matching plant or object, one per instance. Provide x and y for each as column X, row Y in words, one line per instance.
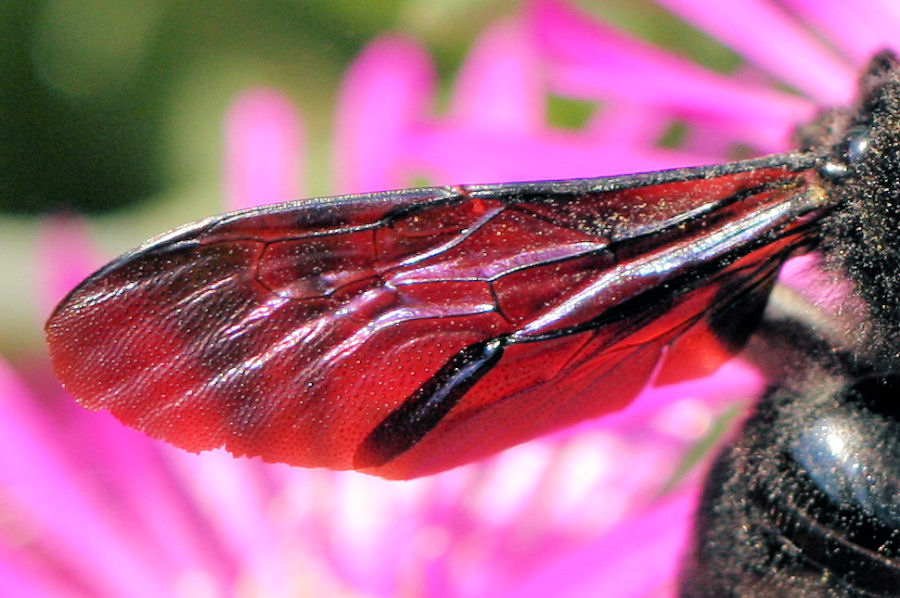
column 807, row 501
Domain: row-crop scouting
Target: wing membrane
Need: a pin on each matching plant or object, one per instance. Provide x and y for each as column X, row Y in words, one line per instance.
column 345, row 332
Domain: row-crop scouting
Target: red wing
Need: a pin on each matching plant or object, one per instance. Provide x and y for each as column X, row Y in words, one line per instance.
column 405, row 333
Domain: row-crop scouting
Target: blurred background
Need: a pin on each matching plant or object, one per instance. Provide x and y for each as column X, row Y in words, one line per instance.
column 115, row 110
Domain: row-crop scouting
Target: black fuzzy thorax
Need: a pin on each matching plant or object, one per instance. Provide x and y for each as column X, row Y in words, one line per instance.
column 806, row 500
column 861, row 239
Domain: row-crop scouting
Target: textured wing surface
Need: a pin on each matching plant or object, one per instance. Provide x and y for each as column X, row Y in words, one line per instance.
column 404, row 333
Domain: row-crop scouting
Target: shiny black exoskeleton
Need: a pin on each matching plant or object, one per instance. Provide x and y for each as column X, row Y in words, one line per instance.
column 807, row 501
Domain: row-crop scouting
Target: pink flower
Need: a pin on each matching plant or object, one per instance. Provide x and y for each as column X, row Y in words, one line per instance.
column 94, row 509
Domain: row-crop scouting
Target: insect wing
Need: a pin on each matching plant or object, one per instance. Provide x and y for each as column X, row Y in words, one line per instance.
column 404, row 333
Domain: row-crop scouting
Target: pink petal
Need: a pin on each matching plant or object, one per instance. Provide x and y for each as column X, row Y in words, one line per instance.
column 859, row 28
column 764, row 33
column 141, row 493
column 264, row 141
column 386, row 91
column 590, row 60
column 57, row 506
column 236, row 503
column 66, row 256
column 500, row 86
column 18, row 577
column 448, row 152
column 641, row 557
